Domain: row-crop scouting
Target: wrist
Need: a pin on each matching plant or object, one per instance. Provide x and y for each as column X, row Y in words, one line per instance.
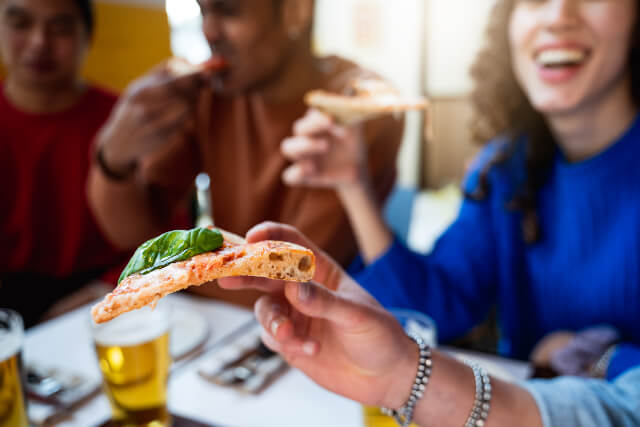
column 113, row 168
column 402, row 378
column 410, row 380
column 357, row 190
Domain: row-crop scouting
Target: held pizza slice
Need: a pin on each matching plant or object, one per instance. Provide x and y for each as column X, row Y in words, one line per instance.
column 368, row 98
column 270, row 259
column 179, row 67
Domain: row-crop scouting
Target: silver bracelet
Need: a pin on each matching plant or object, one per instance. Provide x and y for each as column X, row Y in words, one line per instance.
column 482, row 404
column 404, row 415
column 600, row 368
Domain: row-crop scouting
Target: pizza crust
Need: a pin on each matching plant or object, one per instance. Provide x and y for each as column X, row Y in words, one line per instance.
column 180, row 67
column 270, row 259
column 371, row 98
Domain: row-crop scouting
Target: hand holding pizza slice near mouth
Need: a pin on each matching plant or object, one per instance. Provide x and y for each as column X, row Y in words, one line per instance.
column 179, row 259
column 367, row 99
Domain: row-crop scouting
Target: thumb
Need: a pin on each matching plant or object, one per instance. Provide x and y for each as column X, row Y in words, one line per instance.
column 328, row 272
column 282, row 232
column 316, row 301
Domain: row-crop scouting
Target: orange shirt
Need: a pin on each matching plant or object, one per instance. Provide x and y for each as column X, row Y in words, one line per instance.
column 240, row 149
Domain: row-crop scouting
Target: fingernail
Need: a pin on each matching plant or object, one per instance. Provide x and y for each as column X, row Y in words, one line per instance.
column 275, row 325
column 304, row 292
column 309, row 348
column 292, row 175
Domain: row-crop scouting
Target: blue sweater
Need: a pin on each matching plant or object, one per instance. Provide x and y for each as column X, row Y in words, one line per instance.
column 585, row 270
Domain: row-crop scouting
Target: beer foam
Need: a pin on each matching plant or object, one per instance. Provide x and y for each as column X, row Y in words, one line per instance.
column 133, row 328
column 10, row 343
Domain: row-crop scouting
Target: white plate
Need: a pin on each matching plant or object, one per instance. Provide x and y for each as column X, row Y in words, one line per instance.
column 189, row 329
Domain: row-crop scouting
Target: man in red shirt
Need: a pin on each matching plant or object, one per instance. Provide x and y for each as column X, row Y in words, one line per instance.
column 49, row 242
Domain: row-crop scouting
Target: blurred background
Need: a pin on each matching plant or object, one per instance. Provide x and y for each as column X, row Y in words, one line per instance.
column 416, row 44
column 411, row 42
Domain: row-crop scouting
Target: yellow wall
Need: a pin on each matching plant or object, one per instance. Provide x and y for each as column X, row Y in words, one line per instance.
column 129, row 40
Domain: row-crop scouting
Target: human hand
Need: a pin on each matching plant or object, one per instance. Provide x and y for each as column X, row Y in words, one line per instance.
column 579, row 355
column 545, row 349
column 155, row 109
column 324, row 154
column 333, row 330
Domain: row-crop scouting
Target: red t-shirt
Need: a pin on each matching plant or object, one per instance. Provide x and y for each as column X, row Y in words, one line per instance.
column 46, row 226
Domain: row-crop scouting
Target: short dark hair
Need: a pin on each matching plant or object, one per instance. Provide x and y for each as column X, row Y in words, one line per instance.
column 87, row 13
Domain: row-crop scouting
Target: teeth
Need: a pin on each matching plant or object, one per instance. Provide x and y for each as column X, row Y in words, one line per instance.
column 552, row 57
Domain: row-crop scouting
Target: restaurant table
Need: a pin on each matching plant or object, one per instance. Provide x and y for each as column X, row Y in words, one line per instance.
column 292, row 400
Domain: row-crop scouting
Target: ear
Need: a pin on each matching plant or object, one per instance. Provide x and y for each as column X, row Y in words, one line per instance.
column 297, row 16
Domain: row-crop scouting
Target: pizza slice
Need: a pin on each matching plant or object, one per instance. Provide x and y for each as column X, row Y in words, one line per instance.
column 180, row 259
column 367, row 98
column 180, row 67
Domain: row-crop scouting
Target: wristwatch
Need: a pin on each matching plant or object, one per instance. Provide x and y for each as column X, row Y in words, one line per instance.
column 110, row 173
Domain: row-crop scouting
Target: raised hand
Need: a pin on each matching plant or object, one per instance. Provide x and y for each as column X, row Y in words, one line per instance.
column 324, row 154
column 156, row 109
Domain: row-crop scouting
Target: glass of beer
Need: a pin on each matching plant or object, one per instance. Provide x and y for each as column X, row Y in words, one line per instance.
column 413, row 322
column 133, row 354
column 13, row 412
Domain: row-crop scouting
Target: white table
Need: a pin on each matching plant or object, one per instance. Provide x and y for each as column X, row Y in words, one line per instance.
column 293, row 400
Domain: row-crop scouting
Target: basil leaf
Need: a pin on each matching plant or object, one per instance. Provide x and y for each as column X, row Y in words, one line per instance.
column 171, row 247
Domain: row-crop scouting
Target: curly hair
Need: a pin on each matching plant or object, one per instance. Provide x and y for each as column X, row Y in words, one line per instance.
column 501, row 108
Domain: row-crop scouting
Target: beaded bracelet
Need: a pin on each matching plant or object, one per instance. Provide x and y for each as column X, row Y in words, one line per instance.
column 482, row 405
column 600, row 368
column 404, row 415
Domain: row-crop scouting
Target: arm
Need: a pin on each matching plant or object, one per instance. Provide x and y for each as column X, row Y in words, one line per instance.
column 455, row 284
column 339, row 336
column 593, row 352
column 147, row 158
column 571, row 401
column 626, row 356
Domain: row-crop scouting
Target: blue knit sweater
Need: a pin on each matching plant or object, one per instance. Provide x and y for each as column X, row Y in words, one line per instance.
column 585, row 270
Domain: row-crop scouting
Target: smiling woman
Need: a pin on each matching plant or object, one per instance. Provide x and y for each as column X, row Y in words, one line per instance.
column 558, row 61
column 549, row 227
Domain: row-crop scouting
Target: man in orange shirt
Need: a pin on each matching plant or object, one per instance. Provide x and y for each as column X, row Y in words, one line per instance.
column 166, row 130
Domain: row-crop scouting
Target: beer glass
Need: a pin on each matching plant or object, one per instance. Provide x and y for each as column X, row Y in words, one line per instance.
column 412, row 322
column 133, row 354
column 13, row 411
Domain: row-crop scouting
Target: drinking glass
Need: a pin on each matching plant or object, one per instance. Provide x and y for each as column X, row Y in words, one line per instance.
column 133, row 354
column 13, row 411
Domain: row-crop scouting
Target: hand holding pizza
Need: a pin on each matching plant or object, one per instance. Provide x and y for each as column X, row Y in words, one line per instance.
column 157, row 109
column 332, row 330
column 324, row 153
column 338, row 335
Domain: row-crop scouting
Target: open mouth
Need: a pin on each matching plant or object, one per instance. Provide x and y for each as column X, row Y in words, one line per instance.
column 561, row 58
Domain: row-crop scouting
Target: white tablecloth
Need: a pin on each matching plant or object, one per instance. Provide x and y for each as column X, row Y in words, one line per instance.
column 293, row 400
